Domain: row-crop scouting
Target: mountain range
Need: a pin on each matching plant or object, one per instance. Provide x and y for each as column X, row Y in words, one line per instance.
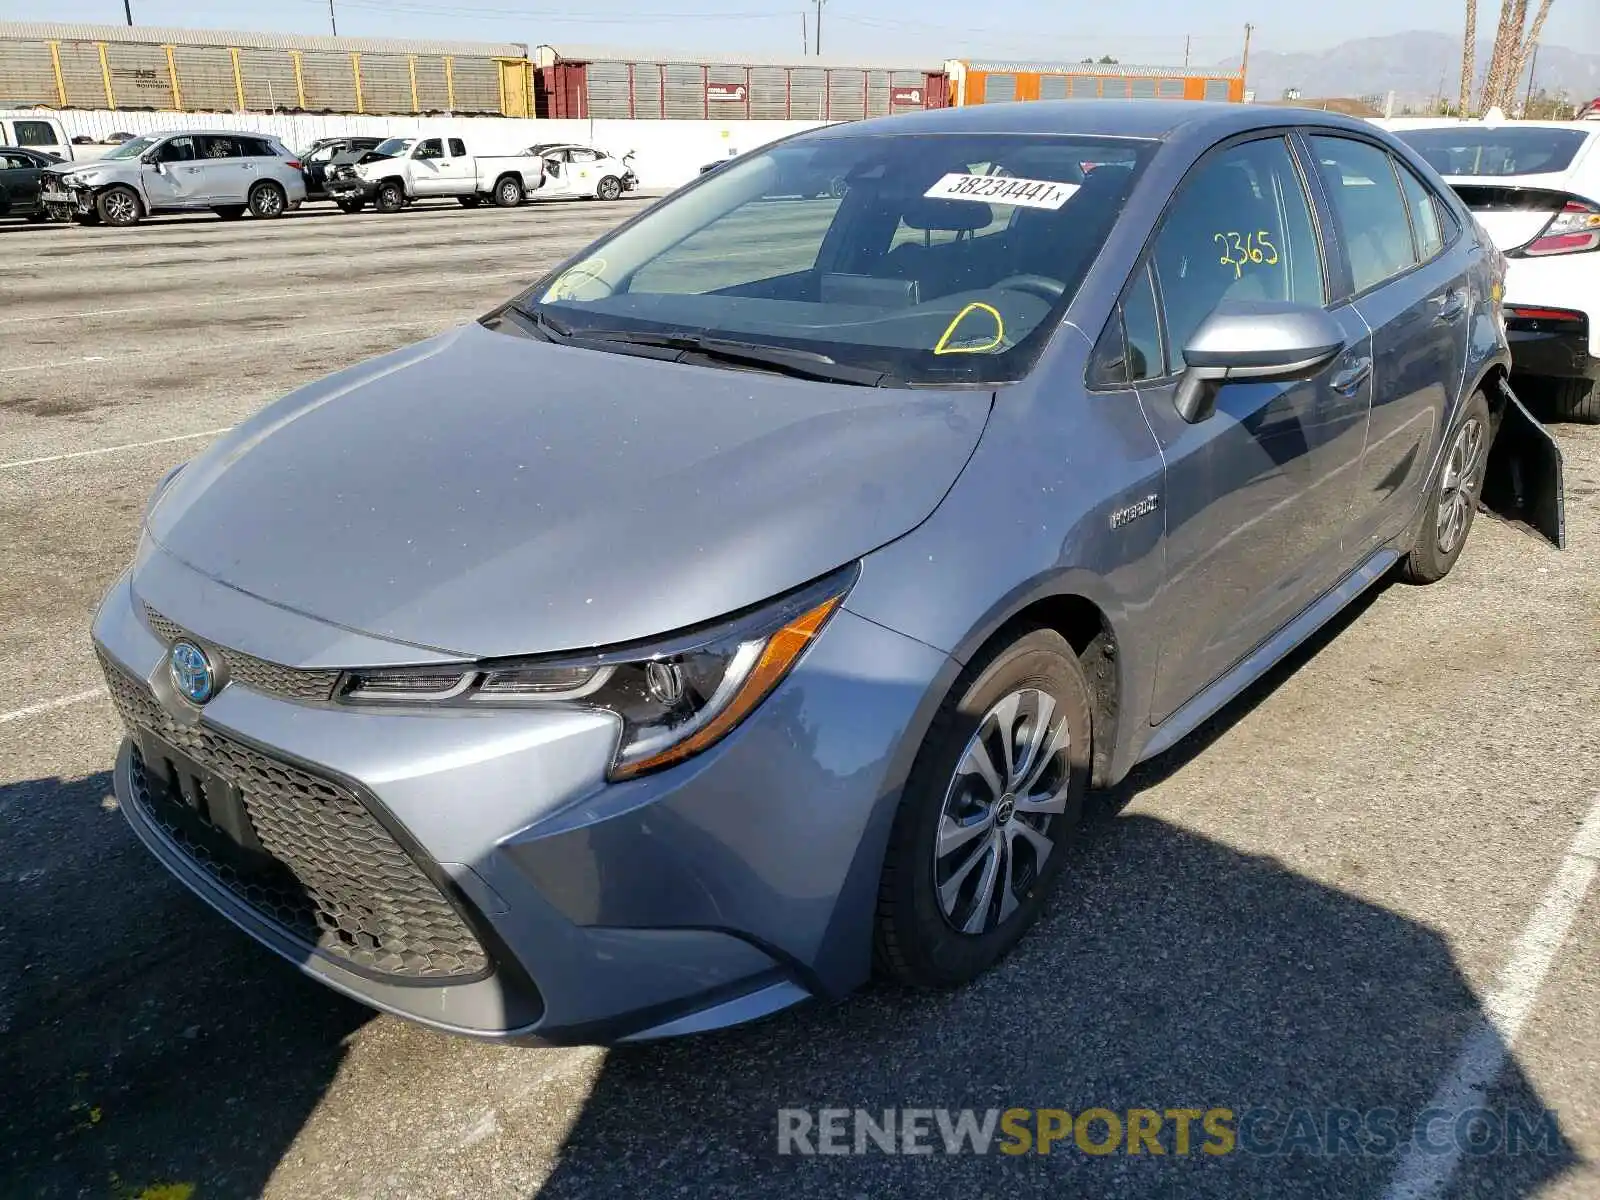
column 1418, row 66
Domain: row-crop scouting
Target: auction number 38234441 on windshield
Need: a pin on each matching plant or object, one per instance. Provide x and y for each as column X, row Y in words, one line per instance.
column 1240, row 250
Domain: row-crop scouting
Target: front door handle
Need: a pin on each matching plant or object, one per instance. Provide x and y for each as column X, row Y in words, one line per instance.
column 1348, row 381
column 1452, row 304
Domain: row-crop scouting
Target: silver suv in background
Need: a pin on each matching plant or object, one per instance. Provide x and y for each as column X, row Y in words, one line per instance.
column 227, row 172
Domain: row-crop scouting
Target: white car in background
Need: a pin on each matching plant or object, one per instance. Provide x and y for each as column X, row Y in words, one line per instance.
column 571, row 170
column 1535, row 188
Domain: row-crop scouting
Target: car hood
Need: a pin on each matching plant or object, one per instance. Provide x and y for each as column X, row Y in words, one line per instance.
column 485, row 494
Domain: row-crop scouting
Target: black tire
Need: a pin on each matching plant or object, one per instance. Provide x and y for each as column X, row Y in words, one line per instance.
column 37, row 217
column 916, row 942
column 1440, row 539
column 470, row 201
column 268, row 201
column 119, row 206
column 351, row 206
column 89, row 218
column 229, row 212
column 1576, row 400
column 391, row 197
column 608, row 189
column 508, row 191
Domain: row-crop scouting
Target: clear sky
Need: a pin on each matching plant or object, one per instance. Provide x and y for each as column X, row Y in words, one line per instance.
column 1132, row 30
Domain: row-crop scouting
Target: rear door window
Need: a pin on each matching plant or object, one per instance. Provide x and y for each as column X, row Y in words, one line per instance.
column 458, row 148
column 212, row 146
column 1424, row 208
column 1370, row 208
column 256, row 148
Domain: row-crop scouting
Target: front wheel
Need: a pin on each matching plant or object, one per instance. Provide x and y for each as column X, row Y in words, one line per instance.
column 268, row 200
column 1453, row 500
column 983, row 824
column 609, row 188
column 119, row 206
column 391, row 198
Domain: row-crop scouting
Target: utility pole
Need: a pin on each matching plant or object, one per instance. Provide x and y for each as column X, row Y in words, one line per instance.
column 1533, row 65
column 805, row 35
column 1469, row 58
column 1186, row 52
column 1244, row 64
column 819, row 28
column 332, row 19
column 127, row 10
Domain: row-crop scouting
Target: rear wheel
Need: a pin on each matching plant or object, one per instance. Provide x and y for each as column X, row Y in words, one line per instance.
column 609, row 188
column 1577, row 400
column 351, row 206
column 229, row 212
column 508, row 192
column 119, row 206
column 981, row 831
column 1453, row 501
column 268, row 200
column 391, row 198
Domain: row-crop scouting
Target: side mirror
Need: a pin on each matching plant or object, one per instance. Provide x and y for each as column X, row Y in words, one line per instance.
column 1258, row 340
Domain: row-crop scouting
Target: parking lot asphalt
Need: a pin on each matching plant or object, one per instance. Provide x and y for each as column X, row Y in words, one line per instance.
column 1366, row 885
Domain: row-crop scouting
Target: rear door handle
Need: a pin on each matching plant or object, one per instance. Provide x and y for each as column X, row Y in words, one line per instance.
column 1452, row 304
column 1348, row 381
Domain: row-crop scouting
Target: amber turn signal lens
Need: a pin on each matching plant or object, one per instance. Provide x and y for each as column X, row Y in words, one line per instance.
column 781, row 652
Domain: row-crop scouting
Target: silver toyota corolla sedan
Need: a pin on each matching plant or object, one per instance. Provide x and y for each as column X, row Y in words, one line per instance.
column 750, row 604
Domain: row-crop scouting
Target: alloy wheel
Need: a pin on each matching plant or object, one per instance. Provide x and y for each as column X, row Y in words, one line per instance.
column 121, row 208
column 1463, row 474
column 997, row 826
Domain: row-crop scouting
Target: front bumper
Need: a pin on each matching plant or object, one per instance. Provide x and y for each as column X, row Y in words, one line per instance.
column 731, row 886
column 64, row 203
column 351, row 187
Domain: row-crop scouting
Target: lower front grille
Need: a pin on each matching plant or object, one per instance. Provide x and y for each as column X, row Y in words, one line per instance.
column 332, row 876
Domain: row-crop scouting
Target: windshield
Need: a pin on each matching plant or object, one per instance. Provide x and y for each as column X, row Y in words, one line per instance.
column 394, row 146
column 1474, row 150
column 930, row 258
column 131, row 149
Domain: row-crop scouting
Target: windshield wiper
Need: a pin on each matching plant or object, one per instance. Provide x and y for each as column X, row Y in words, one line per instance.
column 782, row 360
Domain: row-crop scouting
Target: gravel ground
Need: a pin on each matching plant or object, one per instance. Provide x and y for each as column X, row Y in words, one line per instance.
column 1313, row 903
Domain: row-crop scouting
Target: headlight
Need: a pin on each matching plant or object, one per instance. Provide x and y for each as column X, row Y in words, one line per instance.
column 673, row 699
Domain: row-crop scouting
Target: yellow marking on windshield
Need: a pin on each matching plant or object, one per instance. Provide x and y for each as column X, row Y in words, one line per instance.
column 562, row 288
column 942, row 346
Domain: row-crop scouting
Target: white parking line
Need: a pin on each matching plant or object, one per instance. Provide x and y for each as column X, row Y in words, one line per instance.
column 208, row 347
column 34, row 710
column 50, row 458
column 284, row 294
column 1422, row 1176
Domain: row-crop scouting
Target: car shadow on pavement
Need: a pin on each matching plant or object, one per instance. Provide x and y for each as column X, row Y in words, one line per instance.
column 143, row 1040
column 1170, row 972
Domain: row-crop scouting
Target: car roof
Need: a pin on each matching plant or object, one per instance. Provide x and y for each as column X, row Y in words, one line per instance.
column 1406, row 124
column 169, row 133
column 1156, row 119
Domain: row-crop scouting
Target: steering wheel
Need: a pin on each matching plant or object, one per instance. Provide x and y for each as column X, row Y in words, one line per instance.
column 1042, row 286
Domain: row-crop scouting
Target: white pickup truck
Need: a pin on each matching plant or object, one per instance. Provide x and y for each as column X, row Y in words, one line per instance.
column 403, row 169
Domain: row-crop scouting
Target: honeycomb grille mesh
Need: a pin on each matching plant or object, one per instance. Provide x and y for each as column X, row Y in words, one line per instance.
column 289, row 683
column 337, row 880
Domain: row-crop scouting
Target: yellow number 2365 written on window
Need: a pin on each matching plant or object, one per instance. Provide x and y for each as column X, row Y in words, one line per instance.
column 1240, row 250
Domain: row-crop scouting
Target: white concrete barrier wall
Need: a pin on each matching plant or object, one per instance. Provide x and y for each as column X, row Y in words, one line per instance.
column 667, row 153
